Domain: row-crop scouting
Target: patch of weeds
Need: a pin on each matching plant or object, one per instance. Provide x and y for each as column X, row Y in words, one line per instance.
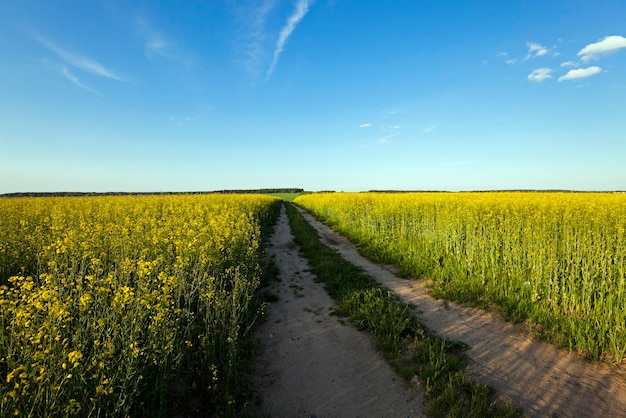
column 268, row 297
column 270, row 273
column 268, row 223
column 405, row 343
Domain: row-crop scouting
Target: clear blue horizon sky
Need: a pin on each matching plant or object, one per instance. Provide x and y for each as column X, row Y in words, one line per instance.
column 109, row 95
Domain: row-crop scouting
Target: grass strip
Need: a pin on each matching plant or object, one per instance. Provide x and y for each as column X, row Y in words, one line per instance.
column 406, row 344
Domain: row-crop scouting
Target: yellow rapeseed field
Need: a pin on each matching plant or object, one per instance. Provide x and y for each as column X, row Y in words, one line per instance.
column 555, row 260
column 123, row 306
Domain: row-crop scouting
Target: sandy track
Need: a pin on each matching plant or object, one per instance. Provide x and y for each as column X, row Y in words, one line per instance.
column 542, row 380
column 310, row 363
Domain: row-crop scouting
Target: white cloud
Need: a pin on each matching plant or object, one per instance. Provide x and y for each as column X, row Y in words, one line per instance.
column 384, row 139
column 71, row 77
column 540, row 74
column 394, row 127
column 302, row 8
column 253, row 38
column 164, row 49
column 157, row 45
column 568, row 64
column 82, row 63
column 429, row 129
column 365, row 125
column 580, row 73
column 605, row 46
column 535, row 50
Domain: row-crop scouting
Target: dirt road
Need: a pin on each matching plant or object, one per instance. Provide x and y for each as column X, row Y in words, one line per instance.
column 311, row 363
column 542, row 380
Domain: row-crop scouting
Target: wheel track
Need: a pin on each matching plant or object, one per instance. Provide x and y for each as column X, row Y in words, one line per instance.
column 310, row 362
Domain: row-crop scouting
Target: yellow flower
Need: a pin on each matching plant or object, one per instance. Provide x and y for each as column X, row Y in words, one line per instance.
column 74, row 357
column 85, row 300
column 135, row 349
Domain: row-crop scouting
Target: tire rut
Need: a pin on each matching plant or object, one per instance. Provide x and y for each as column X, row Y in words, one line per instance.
column 310, row 362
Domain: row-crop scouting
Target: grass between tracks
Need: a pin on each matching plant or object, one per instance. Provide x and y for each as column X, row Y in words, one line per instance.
column 406, row 344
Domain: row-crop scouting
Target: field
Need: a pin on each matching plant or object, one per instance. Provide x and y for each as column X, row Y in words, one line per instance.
column 555, row 261
column 144, row 305
column 126, row 306
column 288, row 197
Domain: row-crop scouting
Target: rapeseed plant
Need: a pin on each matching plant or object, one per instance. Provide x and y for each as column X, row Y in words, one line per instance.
column 103, row 300
column 556, row 260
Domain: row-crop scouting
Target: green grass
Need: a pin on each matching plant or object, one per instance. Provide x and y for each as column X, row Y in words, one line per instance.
column 408, row 346
column 288, row 197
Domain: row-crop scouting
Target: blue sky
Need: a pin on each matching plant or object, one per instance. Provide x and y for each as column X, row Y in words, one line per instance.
column 108, row 95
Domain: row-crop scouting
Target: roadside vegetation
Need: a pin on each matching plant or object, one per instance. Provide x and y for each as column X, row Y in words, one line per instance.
column 128, row 305
column 409, row 347
column 288, row 197
column 556, row 261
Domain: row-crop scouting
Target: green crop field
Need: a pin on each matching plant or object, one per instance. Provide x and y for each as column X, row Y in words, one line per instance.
column 554, row 260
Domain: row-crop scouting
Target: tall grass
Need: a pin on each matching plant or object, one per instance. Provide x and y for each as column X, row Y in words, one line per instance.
column 556, row 260
column 125, row 306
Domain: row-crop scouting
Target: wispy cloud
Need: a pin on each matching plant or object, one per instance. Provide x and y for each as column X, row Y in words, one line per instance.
column 164, row 49
column 429, row 129
column 385, row 131
column 580, row 73
column 605, row 46
column 302, row 8
column 158, row 45
column 381, row 140
column 540, row 74
column 390, row 112
column 253, row 38
column 568, row 64
column 71, row 77
column 535, row 50
column 384, row 139
column 80, row 62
